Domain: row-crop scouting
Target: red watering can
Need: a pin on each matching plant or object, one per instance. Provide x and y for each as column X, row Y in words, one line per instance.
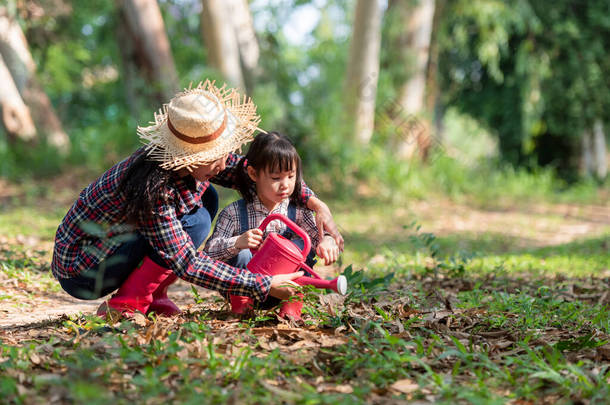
column 278, row 255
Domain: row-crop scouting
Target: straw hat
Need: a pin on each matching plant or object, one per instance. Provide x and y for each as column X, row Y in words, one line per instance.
column 199, row 126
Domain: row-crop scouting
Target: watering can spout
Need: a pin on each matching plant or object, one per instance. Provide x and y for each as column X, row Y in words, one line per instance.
column 338, row 285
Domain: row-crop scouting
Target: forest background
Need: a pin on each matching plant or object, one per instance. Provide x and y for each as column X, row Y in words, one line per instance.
column 475, row 88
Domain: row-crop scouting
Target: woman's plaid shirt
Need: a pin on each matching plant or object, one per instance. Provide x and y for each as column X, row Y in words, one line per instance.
column 92, row 230
column 221, row 245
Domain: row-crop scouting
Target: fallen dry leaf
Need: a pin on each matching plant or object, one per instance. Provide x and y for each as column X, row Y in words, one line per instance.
column 340, row 388
column 140, row 319
column 34, row 358
column 406, row 386
column 604, row 351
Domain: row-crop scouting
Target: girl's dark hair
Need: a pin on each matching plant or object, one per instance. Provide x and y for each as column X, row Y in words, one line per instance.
column 272, row 152
column 143, row 184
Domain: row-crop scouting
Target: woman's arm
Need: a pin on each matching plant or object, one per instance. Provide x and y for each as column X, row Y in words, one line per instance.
column 228, row 177
column 165, row 234
column 221, row 245
column 326, row 247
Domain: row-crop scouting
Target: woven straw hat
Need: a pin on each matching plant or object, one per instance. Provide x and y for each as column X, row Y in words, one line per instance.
column 200, row 125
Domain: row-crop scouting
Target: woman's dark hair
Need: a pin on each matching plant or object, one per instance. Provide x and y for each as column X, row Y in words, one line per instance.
column 272, row 152
column 143, row 184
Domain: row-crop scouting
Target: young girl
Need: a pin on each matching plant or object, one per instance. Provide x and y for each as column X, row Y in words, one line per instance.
column 138, row 226
column 274, row 166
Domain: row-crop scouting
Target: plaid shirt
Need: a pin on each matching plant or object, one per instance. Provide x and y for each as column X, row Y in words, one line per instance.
column 221, row 245
column 80, row 246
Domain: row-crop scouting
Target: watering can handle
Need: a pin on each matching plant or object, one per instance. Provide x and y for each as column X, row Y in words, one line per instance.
column 297, row 229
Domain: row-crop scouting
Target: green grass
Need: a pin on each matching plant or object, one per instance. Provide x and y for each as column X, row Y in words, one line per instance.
column 29, row 221
column 28, row 272
column 584, row 258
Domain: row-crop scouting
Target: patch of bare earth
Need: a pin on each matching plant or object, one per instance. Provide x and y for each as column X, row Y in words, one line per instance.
column 29, row 304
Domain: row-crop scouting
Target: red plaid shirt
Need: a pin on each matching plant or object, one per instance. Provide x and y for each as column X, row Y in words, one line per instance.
column 79, row 247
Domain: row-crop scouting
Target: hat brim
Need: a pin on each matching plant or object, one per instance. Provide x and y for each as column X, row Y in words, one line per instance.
column 175, row 154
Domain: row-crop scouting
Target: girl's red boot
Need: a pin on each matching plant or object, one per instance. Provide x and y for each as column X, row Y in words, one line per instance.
column 292, row 309
column 136, row 293
column 161, row 304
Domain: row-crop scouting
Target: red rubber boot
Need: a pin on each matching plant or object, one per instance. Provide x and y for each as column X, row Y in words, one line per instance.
column 292, row 309
column 241, row 305
column 136, row 292
column 161, row 304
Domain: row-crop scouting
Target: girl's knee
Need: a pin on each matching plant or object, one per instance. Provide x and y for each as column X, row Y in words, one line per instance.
column 242, row 259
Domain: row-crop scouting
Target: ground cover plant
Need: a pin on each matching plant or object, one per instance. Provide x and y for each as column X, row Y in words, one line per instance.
column 436, row 313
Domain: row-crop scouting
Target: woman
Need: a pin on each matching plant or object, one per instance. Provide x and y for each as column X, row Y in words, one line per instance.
column 137, row 227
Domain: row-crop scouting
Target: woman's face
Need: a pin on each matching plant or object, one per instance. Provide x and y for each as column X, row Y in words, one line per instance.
column 207, row 171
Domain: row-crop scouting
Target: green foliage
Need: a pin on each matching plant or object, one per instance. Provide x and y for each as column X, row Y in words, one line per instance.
column 531, row 72
column 531, row 75
column 363, row 287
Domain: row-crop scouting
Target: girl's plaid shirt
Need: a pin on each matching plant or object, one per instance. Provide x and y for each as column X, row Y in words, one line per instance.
column 221, row 245
column 92, row 230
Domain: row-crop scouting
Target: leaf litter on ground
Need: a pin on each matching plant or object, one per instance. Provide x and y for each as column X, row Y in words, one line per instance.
column 438, row 342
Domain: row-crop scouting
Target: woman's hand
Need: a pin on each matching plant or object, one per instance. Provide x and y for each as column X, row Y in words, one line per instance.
column 325, row 221
column 282, row 286
column 328, row 250
column 250, row 239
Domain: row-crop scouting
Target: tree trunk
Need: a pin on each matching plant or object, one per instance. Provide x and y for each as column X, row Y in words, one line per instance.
column 363, row 70
column 145, row 24
column 419, row 32
column 600, row 151
column 15, row 51
column 412, row 95
column 247, row 41
column 594, row 152
column 220, row 40
column 129, row 65
column 586, row 153
column 15, row 115
column 432, row 95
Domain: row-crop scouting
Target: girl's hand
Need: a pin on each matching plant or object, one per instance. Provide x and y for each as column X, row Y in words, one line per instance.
column 282, row 286
column 250, row 239
column 328, row 250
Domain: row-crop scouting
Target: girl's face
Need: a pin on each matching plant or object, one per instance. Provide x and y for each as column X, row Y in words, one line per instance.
column 273, row 187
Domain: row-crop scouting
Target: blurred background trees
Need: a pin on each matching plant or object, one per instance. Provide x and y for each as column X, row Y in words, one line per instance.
column 369, row 90
column 534, row 73
column 362, row 71
column 27, row 109
column 146, row 49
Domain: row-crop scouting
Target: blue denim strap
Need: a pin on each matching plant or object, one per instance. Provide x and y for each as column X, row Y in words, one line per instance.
column 292, row 212
column 243, row 216
column 292, row 215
